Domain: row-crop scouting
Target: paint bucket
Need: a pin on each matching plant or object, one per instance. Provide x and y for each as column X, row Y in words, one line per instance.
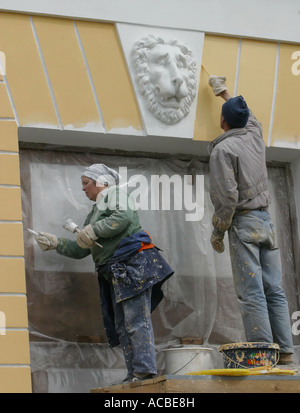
column 186, row 359
column 249, row 355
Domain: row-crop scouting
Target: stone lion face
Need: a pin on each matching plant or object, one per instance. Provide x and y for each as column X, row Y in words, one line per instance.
column 166, row 76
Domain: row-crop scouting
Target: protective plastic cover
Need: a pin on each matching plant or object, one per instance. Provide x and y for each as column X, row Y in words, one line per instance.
column 65, row 322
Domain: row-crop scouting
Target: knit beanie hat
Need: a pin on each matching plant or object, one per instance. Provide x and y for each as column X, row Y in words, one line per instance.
column 236, row 112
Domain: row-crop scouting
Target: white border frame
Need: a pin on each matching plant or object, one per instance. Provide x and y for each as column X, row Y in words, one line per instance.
column 274, row 20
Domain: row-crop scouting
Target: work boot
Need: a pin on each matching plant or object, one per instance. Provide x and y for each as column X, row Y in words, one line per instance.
column 141, row 377
column 128, row 378
column 285, row 359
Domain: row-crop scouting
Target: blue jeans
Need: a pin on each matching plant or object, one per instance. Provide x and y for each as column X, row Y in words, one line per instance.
column 134, row 328
column 257, row 273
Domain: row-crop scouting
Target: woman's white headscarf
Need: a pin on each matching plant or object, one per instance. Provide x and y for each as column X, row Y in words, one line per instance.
column 102, row 174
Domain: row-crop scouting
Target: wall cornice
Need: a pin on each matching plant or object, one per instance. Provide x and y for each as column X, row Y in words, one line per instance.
column 260, row 19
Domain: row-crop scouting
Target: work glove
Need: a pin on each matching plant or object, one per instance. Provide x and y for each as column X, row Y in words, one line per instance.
column 217, row 242
column 218, row 84
column 46, row 241
column 86, row 237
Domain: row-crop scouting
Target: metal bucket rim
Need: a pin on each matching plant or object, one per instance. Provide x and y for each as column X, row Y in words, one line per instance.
column 249, row 345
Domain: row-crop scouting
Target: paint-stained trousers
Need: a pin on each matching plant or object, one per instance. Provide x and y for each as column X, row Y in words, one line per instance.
column 134, row 328
column 257, row 273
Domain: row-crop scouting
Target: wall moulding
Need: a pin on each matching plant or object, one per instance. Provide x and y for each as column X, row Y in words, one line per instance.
column 164, row 66
column 259, row 19
column 165, row 72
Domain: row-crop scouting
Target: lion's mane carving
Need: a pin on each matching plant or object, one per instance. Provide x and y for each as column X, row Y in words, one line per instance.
column 166, row 77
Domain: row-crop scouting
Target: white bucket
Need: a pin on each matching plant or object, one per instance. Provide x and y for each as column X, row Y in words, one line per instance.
column 186, row 359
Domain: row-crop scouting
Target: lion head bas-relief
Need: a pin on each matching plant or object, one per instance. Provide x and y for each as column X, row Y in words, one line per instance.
column 166, row 76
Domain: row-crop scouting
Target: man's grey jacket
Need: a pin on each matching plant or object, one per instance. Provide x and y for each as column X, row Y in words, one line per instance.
column 238, row 173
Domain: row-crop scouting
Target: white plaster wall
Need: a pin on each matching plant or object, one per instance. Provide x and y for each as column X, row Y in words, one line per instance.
column 263, row 19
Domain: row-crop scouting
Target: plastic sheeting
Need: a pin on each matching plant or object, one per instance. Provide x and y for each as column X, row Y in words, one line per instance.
column 62, row 293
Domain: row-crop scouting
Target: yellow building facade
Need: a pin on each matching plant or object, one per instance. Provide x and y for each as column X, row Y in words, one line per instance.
column 74, row 76
column 61, row 75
